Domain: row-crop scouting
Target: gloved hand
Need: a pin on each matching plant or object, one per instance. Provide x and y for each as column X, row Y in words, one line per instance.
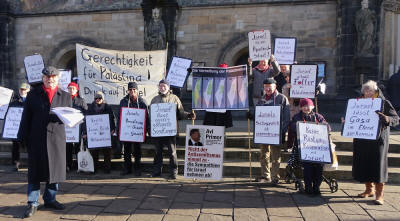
column 383, row 118
column 249, row 115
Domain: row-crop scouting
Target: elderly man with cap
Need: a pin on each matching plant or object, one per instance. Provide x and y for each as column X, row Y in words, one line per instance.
column 18, row 101
column 44, row 134
column 78, row 103
column 272, row 98
column 99, row 106
column 165, row 96
column 133, row 100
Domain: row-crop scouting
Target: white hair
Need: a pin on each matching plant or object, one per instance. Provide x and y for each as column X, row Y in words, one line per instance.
column 369, row 85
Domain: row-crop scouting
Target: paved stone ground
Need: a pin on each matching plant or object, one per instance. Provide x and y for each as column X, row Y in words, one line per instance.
column 100, row 198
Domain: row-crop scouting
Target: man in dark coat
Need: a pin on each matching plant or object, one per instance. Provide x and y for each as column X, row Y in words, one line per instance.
column 133, row 100
column 44, row 135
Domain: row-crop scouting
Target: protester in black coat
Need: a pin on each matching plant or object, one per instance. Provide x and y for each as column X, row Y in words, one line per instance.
column 100, row 107
column 133, row 100
column 393, row 90
column 44, row 135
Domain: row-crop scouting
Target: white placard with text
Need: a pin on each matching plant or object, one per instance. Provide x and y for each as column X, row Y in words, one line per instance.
column 177, row 72
column 5, row 99
column 259, row 45
column 65, row 79
column 33, row 66
column 12, row 122
column 303, row 80
column 314, row 145
column 163, row 120
column 98, row 130
column 267, row 125
column 132, row 125
column 285, row 50
column 72, row 134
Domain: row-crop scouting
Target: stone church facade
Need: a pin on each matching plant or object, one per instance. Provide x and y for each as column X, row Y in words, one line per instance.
column 208, row 31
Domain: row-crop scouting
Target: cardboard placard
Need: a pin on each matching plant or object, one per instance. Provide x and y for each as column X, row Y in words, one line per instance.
column 313, row 142
column 267, row 125
column 72, row 134
column 132, row 125
column 98, row 131
column 33, row 66
column 5, row 99
column 303, row 80
column 204, row 158
column 285, row 50
column 12, row 122
column 163, row 120
column 220, row 88
column 65, row 79
column 259, row 45
column 361, row 120
column 110, row 71
column 177, row 73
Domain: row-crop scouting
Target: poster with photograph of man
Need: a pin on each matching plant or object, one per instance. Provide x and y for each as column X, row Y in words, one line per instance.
column 195, row 137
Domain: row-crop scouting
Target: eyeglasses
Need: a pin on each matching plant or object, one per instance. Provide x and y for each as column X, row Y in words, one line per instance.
column 98, row 98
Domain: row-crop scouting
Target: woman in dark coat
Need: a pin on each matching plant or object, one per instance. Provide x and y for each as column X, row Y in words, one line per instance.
column 44, row 135
column 370, row 156
column 99, row 106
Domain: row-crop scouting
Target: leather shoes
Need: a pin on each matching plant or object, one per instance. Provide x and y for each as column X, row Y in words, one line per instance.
column 30, row 210
column 54, row 205
column 156, row 175
column 172, row 177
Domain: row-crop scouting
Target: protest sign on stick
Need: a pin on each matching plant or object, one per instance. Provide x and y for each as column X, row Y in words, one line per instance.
column 98, row 130
column 267, row 125
column 177, row 73
column 5, row 99
column 259, row 45
column 132, row 125
column 204, row 155
column 33, row 66
column 303, row 80
column 12, row 122
column 65, row 79
column 285, row 50
column 361, row 119
column 72, row 134
column 163, row 120
column 314, row 143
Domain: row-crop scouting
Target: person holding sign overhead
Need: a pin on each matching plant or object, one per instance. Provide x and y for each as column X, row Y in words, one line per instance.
column 99, row 106
column 370, row 164
column 133, row 100
column 165, row 95
column 312, row 172
column 44, row 134
column 272, row 153
column 18, row 101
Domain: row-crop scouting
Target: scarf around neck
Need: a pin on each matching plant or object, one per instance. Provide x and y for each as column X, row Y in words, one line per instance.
column 50, row 92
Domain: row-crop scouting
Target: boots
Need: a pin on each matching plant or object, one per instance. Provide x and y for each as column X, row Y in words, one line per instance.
column 369, row 192
column 379, row 193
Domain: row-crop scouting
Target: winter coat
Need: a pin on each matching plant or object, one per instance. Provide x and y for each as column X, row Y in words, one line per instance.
column 370, row 160
column 17, row 101
column 393, row 90
column 140, row 103
column 105, row 110
column 44, row 135
column 79, row 104
column 257, row 78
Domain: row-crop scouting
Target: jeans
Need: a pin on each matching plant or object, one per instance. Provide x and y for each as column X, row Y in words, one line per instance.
column 49, row 194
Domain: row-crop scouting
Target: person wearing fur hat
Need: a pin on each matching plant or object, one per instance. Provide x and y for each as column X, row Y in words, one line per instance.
column 272, row 153
column 78, row 103
column 165, row 95
column 312, row 171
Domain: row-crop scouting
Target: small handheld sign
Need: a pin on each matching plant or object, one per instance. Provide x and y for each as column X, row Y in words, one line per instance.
column 98, row 131
column 163, row 120
column 259, row 45
column 285, row 50
column 303, row 80
column 267, row 125
column 177, row 73
column 132, row 125
column 5, row 99
column 33, row 66
column 12, row 122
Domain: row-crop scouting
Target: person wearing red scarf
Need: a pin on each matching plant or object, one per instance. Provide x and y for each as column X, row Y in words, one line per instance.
column 44, row 134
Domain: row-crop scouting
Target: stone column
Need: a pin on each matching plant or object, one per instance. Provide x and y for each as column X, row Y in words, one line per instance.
column 7, row 52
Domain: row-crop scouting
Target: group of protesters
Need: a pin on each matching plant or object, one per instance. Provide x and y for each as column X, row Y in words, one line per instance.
column 49, row 157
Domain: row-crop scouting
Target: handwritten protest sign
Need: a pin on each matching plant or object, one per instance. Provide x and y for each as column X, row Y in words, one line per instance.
column 163, row 120
column 110, row 71
column 177, row 72
column 259, row 45
column 5, row 99
column 361, row 120
column 285, row 50
column 132, row 125
column 205, row 159
column 12, row 122
column 220, row 88
column 314, row 145
column 72, row 134
column 98, row 131
column 303, row 79
column 267, row 125
column 65, row 79
column 33, row 66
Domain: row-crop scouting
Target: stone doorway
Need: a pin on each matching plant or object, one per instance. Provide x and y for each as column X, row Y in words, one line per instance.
column 68, row 61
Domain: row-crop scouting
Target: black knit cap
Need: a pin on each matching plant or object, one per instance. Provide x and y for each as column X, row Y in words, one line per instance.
column 132, row 85
column 269, row 81
column 164, row 81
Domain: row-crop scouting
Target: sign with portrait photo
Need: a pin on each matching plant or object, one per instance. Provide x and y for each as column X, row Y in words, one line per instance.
column 267, row 125
column 33, row 66
column 132, row 125
column 12, row 122
column 177, row 73
column 5, row 99
column 163, row 120
column 98, row 131
column 314, row 143
column 285, row 50
column 259, row 45
column 204, row 152
column 361, row 119
column 303, row 80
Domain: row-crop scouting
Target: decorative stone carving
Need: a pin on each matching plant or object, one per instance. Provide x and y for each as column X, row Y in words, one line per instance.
column 365, row 22
column 392, row 5
column 154, row 33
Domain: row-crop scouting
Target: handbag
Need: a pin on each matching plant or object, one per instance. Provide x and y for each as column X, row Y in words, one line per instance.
column 85, row 160
column 335, row 164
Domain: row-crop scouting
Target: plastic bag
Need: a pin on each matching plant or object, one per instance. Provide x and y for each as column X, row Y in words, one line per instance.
column 85, row 160
column 335, row 163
